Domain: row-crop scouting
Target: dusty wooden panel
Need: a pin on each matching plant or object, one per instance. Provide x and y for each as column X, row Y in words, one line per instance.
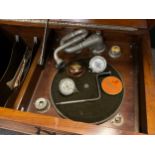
column 141, row 23
column 127, row 66
column 149, row 84
column 53, row 123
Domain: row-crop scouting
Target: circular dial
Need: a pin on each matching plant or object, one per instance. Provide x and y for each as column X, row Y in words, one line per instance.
column 67, row 86
column 98, row 64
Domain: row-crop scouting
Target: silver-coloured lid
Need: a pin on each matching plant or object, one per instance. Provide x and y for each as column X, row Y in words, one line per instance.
column 97, row 64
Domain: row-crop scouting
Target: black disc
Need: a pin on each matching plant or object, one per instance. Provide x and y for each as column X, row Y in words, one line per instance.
column 5, row 53
column 96, row 111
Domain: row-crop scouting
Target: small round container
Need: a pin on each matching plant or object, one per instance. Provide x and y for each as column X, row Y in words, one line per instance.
column 97, row 64
column 115, row 51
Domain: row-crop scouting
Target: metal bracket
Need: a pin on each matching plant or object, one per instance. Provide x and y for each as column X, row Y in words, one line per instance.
column 41, row 59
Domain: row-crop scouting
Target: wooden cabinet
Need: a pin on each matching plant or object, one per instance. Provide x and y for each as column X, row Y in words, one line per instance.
column 137, row 109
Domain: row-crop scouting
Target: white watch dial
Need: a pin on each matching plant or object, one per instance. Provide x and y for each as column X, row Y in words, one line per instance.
column 98, row 64
column 67, row 86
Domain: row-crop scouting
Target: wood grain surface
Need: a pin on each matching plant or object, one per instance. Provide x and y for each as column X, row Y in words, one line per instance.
column 53, row 123
column 26, row 121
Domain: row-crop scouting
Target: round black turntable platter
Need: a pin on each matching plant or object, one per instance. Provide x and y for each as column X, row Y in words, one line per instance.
column 89, row 103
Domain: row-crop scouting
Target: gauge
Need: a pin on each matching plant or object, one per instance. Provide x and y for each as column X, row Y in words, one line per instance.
column 67, row 86
column 97, row 64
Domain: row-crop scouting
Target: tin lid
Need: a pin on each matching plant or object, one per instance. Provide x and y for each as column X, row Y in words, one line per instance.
column 111, row 85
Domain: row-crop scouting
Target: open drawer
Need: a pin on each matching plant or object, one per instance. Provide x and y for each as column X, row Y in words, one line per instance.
column 105, row 85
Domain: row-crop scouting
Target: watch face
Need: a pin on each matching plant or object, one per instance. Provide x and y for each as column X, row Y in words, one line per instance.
column 97, row 64
column 67, row 86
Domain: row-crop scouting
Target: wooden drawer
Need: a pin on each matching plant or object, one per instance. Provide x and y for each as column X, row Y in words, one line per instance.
column 137, row 109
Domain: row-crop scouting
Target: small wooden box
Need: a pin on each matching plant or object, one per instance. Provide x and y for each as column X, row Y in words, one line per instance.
column 135, row 66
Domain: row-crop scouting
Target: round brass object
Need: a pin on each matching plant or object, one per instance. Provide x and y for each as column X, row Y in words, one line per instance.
column 75, row 69
column 115, row 52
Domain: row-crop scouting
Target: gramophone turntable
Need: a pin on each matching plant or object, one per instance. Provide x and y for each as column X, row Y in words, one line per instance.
column 84, row 80
column 84, row 99
column 82, row 77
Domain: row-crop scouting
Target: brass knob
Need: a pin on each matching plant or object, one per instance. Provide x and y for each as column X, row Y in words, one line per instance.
column 115, row 51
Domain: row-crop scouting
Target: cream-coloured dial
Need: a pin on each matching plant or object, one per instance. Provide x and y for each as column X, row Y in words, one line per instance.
column 67, row 86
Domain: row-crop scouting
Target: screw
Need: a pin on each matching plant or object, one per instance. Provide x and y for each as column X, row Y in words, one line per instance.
column 117, row 120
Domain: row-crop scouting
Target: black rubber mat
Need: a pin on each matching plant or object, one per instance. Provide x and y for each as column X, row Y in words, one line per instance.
column 96, row 111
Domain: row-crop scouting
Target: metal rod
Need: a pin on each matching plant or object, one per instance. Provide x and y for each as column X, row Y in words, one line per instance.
column 15, row 81
column 41, row 59
column 92, row 99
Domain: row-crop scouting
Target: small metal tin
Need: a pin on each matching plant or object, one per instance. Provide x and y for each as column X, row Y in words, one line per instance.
column 115, row 51
column 97, row 64
column 112, row 85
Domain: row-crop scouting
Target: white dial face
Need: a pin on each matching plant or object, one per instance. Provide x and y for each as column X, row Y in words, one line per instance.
column 67, row 86
column 97, row 64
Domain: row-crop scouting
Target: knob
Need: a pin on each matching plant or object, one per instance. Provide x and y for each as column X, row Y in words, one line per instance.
column 115, row 51
column 42, row 104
